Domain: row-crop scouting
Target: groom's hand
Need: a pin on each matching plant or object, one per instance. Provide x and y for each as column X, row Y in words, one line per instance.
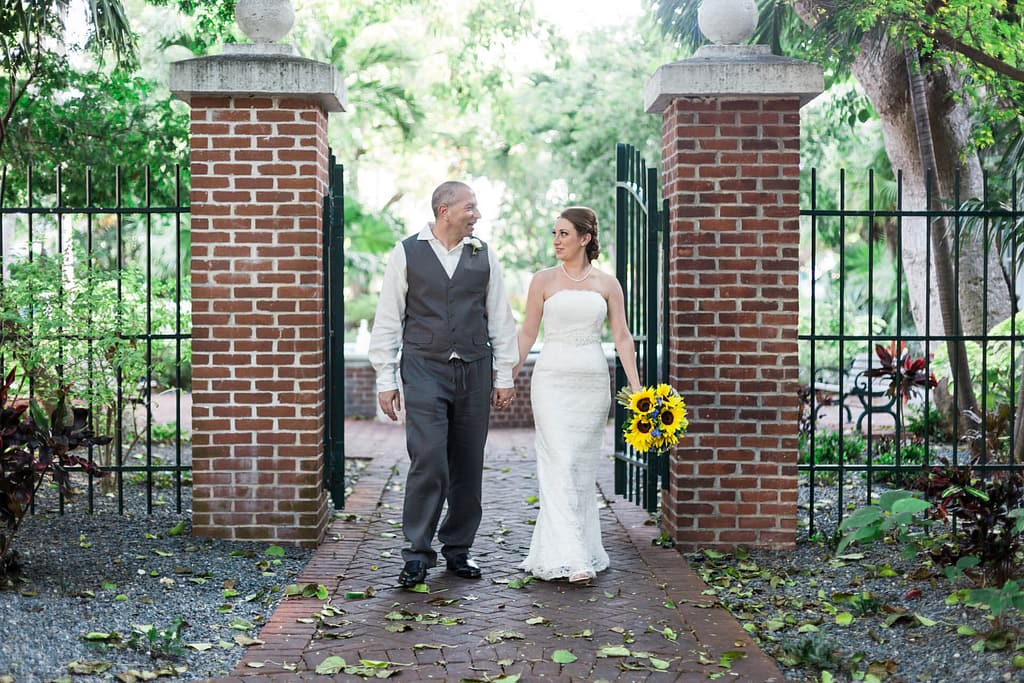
column 503, row 398
column 390, row 403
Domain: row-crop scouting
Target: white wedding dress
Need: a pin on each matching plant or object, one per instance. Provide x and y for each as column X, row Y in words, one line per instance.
column 571, row 395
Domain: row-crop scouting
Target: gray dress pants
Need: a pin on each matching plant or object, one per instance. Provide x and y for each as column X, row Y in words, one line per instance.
column 447, row 409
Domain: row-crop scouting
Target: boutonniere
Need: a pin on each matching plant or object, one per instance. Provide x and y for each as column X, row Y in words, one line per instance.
column 476, row 244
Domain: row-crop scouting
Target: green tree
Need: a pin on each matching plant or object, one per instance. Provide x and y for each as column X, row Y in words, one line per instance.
column 556, row 133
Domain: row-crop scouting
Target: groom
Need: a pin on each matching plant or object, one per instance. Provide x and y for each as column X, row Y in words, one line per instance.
column 443, row 305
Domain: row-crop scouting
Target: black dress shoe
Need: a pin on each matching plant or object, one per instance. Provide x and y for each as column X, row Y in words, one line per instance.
column 413, row 573
column 464, row 566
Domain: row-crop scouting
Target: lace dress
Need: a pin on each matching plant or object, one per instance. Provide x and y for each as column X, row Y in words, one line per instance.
column 571, row 396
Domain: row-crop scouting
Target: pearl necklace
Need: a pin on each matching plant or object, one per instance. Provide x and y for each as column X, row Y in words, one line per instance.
column 580, row 279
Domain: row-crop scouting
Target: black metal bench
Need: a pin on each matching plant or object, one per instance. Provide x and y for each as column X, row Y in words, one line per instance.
column 871, row 392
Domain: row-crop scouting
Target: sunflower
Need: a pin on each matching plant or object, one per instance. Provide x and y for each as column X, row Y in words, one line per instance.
column 642, row 402
column 638, row 433
column 672, row 416
column 664, row 391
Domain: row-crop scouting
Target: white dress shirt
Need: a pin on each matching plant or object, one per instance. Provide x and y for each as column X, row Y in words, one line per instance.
column 386, row 337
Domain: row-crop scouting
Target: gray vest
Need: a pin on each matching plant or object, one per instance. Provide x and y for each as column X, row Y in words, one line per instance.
column 445, row 316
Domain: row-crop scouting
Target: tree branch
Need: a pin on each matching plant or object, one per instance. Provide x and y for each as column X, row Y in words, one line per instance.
column 974, row 54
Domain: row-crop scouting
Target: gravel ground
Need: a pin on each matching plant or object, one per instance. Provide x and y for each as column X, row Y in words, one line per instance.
column 133, row 577
column 904, row 627
column 128, row 574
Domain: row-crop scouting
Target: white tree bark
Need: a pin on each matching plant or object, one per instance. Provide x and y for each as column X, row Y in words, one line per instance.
column 881, row 70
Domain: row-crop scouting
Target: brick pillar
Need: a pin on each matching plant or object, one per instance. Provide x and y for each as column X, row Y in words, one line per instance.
column 731, row 171
column 259, row 162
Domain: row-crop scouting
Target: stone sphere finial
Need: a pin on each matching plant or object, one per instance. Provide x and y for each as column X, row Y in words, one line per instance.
column 265, row 21
column 727, row 22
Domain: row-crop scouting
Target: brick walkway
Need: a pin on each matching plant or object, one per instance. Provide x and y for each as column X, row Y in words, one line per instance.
column 622, row 627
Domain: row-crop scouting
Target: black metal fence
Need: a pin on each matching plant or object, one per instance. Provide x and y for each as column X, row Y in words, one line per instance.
column 641, row 242
column 872, row 280
column 96, row 302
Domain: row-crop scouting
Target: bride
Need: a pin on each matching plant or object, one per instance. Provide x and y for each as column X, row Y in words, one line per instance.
column 571, row 396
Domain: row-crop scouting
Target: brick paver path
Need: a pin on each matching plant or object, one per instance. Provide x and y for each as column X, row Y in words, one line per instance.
column 645, row 611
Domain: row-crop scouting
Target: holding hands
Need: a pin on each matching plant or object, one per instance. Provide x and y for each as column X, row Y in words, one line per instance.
column 502, row 398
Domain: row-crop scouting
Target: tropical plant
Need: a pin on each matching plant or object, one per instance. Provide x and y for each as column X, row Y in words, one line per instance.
column 907, row 376
column 984, row 507
column 34, row 446
column 895, row 514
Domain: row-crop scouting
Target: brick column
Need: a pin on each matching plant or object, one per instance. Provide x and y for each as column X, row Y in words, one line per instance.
column 259, row 163
column 731, row 170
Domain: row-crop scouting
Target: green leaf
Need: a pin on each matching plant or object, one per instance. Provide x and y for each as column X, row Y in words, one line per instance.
column 330, row 666
column 844, row 618
column 275, row 551
column 659, row 664
column 613, row 651
column 911, row 505
column 177, row 529
column 730, row 656
column 563, row 657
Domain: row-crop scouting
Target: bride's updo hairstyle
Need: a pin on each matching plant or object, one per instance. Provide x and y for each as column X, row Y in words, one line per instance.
column 585, row 222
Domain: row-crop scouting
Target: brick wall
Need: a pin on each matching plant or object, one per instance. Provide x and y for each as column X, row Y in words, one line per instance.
column 259, row 173
column 731, row 177
column 361, row 392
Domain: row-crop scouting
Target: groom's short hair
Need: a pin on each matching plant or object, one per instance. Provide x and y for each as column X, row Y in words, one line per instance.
column 445, row 194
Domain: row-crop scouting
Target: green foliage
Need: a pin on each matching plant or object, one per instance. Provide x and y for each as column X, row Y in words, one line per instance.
column 930, row 424
column 557, row 133
column 31, row 59
column 984, row 507
column 117, row 125
column 831, row 448
column 812, row 650
column 72, row 329
column 68, row 329
column 998, row 600
column 887, row 451
column 159, row 642
column 168, row 434
column 894, row 515
column 994, row 366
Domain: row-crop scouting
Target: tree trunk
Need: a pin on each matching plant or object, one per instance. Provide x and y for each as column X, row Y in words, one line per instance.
column 941, row 252
column 882, row 71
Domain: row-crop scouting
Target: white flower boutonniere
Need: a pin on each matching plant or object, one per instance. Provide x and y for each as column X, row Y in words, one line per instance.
column 476, row 244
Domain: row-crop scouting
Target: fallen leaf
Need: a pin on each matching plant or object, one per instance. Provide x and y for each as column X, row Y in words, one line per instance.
column 330, row 666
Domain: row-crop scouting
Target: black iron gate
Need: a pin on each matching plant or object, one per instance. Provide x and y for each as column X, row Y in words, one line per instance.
column 334, row 334
column 641, row 255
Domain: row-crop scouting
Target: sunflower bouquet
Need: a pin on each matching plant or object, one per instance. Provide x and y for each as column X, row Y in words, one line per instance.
column 657, row 417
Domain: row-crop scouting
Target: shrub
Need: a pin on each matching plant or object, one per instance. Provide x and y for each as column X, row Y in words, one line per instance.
column 830, row 446
column 886, row 451
column 984, row 510
column 72, row 328
column 32, row 446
